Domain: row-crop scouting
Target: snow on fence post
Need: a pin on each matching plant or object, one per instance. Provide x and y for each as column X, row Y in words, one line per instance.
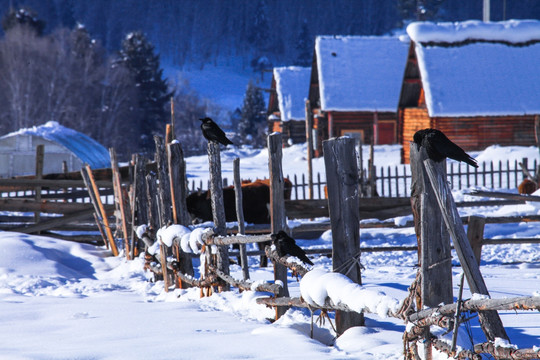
column 277, row 207
column 240, row 216
column 343, row 207
column 434, row 251
column 218, row 207
column 489, row 320
column 178, row 186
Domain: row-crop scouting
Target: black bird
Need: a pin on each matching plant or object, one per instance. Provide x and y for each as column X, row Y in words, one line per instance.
column 285, row 245
column 438, row 147
column 212, row 132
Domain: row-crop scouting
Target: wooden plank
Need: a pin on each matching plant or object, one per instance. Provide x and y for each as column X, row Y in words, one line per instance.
column 102, row 212
column 343, row 204
column 47, row 183
column 30, row 205
column 240, row 217
column 40, row 154
column 309, row 139
column 434, row 254
column 93, row 198
column 54, row 222
column 278, row 219
column 218, row 207
column 489, row 320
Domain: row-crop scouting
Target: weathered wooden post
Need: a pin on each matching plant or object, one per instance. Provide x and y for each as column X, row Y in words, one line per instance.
column 434, row 251
column 277, row 207
column 489, row 320
column 163, row 182
column 120, row 201
column 177, row 180
column 139, row 210
column 240, row 216
column 218, row 207
column 343, row 207
column 309, row 140
column 475, row 234
column 40, row 155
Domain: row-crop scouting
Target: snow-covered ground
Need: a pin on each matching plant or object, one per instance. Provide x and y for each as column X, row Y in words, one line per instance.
column 61, row 300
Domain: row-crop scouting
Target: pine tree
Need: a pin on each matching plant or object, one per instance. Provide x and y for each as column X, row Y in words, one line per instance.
column 137, row 55
column 252, row 125
column 260, row 30
column 304, row 46
column 23, row 17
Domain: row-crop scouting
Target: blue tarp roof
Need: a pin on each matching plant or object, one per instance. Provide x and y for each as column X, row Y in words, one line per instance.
column 84, row 147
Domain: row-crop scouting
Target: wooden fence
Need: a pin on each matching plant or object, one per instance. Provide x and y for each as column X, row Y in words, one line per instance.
column 395, row 181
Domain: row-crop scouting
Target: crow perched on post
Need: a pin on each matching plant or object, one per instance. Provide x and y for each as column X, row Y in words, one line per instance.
column 212, row 132
column 285, row 245
column 438, row 147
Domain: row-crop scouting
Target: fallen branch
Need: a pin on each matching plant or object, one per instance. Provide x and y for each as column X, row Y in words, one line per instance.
column 463, row 354
column 293, row 266
column 500, row 352
column 247, row 285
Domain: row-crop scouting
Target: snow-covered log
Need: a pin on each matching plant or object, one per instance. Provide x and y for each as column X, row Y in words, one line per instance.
column 299, row 302
column 210, row 238
column 515, row 303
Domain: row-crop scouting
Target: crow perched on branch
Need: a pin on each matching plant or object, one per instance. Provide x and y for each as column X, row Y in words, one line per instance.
column 438, row 147
column 212, row 132
column 285, row 245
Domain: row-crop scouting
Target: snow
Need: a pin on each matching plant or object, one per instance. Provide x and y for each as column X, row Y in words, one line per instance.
column 479, row 78
column 292, row 87
column 64, row 300
column 512, row 31
column 370, row 68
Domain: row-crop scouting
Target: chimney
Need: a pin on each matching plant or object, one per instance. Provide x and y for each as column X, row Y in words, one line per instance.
column 486, row 11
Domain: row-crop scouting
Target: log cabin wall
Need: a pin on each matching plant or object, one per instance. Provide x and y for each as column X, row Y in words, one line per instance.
column 362, row 122
column 471, row 133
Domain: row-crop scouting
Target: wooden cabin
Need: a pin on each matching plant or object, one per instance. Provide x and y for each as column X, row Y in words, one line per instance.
column 477, row 82
column 287, row 103
column 354, row 87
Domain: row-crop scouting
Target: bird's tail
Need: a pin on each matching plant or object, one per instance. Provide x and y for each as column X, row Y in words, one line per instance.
column 471, row 161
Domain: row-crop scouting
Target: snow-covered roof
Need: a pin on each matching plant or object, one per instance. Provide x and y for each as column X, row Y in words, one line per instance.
column 84, row 147
column 292, row 87
column 359, row 73
column 473, row 68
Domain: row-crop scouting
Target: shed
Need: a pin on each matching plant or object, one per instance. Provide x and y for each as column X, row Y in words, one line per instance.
column 18, row 150
column 477, row 82
column 286, row 105
column 355, row 85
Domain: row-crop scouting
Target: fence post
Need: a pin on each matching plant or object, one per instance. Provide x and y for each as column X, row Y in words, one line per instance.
column 218, row 207
column 139, row 208
column 489, row 320
column 163, row 183
column 240, row 216
column 277, row 207
column 343, row 207
column 120, row 201
column 40, row 155
column 434, row 252
column 475, row 234
column 178, row 185
column 309, row 140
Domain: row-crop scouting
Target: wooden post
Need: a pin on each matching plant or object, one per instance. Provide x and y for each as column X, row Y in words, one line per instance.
column 97, row 212
column 102, row 211
column 277, row 207
column 152, row 198
column 40, row 154
column 475, row 234
column 218, row 207
column 163, row 182
column 434, row 250
column 240, row 216
column 343, row 207
column 309, row 140
column 120, row 200
column 139, row 203
column 177, row 180
column 489, row 320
